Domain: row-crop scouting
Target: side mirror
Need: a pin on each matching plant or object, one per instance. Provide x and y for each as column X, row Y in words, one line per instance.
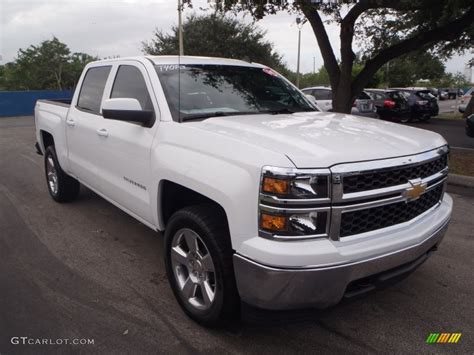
column 128, row 110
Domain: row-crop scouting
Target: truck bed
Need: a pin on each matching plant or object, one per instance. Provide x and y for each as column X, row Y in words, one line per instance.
column 59, row 102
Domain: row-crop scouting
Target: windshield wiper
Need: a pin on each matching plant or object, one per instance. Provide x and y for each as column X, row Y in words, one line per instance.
column 203, row 116
column 284, row 110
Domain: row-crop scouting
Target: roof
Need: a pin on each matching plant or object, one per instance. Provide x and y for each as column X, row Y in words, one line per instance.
column 174, row 59
column 186, row 60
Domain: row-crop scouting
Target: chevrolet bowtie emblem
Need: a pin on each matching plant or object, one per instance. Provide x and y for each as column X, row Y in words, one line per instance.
column 414, row 192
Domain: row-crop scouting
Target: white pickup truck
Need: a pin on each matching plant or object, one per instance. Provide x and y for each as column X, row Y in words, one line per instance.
column 262, row 199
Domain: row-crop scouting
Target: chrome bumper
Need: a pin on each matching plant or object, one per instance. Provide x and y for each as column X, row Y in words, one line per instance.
column 279, row 289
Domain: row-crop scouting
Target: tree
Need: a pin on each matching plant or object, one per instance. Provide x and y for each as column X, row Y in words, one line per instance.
column 49, row 65
column 217, row 35
column 386, row 29
column 408, row 69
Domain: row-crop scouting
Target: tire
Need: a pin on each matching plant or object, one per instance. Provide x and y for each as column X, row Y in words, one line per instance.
column 207, row 225
column 405, row 119
column 61, row 187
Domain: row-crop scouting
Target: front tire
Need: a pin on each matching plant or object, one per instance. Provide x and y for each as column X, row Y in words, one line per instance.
column 198, row 261
column 61, row 187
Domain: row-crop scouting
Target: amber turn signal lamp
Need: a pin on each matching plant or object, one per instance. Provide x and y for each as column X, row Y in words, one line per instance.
column 275, row 186
column 273, row 223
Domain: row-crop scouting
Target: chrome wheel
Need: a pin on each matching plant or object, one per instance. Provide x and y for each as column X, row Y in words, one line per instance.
column 52, row 175
column 193, row 269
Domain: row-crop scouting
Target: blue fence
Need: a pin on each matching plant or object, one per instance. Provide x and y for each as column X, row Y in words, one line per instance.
column 22, row 103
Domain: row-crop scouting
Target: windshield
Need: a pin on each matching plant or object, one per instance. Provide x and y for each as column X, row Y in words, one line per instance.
column 203, row 91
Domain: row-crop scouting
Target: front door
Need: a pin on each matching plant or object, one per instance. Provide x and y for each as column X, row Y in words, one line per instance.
column 125, row 155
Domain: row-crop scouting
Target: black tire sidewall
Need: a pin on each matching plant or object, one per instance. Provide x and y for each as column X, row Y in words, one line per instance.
column 213, row 315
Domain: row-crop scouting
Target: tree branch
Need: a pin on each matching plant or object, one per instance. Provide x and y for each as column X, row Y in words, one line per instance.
column 449, row 31
column 325, row 47
column 363, row 5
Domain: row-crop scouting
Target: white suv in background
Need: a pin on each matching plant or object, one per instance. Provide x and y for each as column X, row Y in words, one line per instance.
column 363, row 106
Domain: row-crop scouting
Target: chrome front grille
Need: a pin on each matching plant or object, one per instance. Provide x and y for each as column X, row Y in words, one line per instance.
column 379, row 194
column 381, row 178
column 366, row 220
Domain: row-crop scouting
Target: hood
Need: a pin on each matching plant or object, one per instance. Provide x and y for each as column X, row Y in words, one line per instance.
column 322, row 139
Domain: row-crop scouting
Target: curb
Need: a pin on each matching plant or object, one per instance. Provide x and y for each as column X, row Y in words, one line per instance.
column 461, row 180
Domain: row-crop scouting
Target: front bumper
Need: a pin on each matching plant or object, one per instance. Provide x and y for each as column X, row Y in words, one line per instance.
column 279, row 289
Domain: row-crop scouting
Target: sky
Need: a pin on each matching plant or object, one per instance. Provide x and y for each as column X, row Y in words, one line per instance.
column 117, row 27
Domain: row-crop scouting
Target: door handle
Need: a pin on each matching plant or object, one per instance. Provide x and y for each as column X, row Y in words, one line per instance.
column 70, row 123
column 102, row 132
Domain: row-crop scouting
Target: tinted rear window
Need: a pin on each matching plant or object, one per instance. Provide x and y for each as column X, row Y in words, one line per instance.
column 92, row 89
column 395, row 95
column 363, row 96
column 322, row 94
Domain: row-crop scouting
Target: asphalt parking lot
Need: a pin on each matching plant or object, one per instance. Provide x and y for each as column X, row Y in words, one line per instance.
column 88, row 270
column 453, row 130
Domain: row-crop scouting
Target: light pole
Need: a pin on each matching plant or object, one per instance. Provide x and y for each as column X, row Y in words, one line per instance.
column 299, row 23
column 180, row 27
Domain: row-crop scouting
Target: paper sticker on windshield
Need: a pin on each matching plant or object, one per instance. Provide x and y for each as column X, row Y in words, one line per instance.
column 270, row 72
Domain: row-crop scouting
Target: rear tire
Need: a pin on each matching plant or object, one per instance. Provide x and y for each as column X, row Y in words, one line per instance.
column 199, row 266
column 61, row 187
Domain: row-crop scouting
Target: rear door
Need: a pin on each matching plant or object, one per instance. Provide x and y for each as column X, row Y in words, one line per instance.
column 82, row 124
column 125, row 153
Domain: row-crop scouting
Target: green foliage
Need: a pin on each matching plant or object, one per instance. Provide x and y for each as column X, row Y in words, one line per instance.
column 448, row 80
column 375, row 82
column 49, row 65
column 217, row 35
column 320, row 78
column 407, row 70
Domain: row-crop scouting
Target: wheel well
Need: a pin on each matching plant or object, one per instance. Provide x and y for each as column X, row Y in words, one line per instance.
column 175, row 197
column 47, row 138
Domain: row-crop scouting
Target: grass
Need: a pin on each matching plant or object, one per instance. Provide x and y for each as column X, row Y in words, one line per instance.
column 461, row 162
column 450, row 116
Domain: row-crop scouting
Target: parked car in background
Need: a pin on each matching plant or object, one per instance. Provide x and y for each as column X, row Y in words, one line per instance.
column 390, row 104
column 322, row 95
column 423, row 105
column 467, row 96
column 442, row 95
column 470, row 126
column 453, row 93
column 363, row 105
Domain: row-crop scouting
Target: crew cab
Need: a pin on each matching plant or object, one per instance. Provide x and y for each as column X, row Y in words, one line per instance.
column 263, row 200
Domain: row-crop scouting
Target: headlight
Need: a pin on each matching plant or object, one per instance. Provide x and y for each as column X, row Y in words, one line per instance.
column 294, row 203
column 296, row 184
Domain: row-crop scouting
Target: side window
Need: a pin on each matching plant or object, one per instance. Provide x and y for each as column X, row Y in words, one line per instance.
column 92, row 89
column 323, row 94
column 129, row 83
